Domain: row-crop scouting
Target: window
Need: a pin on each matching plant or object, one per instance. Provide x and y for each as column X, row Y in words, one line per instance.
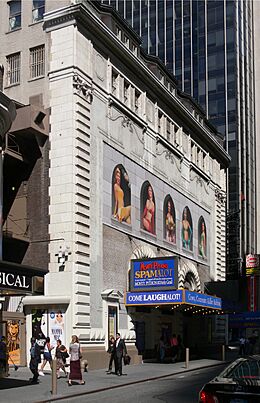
column 13, row 68
column 37, row 61
column 15, row 14
column 38, row 10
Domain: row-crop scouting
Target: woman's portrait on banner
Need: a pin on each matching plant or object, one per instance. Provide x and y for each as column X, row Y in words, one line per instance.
column 121, row 195
column 202, row 238
column 148, row 208
column 169, row 220
column 186, row 233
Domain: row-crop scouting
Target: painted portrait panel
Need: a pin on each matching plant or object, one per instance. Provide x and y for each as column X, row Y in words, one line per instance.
column 169, row 220
column 121, row 195
column 187, row 233
column 202, row 237
column 148, row 208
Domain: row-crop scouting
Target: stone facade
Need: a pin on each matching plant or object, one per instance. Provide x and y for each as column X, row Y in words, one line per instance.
column 112, row 105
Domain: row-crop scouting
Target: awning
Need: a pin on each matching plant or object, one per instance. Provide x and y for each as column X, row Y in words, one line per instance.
column 184, row 299
column 49, row 301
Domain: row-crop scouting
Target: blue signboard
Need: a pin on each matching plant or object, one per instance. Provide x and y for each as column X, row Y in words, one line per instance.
column 207, row 301
column 154, row 274
column 154, row 297
column 244, row 320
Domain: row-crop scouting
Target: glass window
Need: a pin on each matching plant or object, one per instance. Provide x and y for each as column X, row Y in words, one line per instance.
column 37, row 61
column 13, row 68
column 38, row 10
column 15, row 14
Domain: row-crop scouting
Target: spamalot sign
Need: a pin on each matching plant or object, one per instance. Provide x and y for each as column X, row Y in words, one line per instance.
column 154, row 274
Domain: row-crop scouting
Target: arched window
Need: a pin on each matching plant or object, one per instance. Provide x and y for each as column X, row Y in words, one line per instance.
column 148, row 209
column 121, row 195
column 169, row 220
column 186, row 232
column 202, row 238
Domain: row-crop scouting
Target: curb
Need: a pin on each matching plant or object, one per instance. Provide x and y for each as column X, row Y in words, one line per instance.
column 63, row 397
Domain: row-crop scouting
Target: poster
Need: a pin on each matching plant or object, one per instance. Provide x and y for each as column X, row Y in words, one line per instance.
column 13, row 342
column 56, row 327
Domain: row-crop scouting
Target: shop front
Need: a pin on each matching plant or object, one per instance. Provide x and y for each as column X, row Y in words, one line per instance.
column 159, row 309
column 17, row 281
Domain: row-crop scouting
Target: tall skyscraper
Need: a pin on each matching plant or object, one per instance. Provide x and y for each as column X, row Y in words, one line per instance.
column 208, row 46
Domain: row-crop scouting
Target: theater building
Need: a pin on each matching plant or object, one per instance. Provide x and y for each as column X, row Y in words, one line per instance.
column 137, row 195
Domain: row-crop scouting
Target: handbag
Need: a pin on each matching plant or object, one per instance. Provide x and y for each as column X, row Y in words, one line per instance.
column 127, row 359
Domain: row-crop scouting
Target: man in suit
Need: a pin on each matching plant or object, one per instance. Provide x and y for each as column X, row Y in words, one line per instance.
column 120, row 350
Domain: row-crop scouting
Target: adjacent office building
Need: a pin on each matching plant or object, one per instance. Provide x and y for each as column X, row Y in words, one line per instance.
column 208, row 46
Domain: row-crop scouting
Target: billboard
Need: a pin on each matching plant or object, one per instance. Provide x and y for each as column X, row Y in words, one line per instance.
column 252, row 265
column 154, row 274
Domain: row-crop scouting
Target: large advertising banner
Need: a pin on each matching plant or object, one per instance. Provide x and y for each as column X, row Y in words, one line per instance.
column 48, row 324
column 151, row 274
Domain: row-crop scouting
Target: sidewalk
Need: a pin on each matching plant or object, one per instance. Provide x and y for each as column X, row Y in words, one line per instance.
column 17, row 389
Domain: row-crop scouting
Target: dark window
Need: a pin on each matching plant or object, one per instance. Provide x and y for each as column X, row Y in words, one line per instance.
column 15, row 14
column 38, row 10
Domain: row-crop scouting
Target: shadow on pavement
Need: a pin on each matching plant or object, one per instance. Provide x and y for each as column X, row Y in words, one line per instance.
column 9, row 383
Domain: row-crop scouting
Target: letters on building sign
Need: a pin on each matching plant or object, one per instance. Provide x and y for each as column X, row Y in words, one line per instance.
column 157, row 273
column 15, row 281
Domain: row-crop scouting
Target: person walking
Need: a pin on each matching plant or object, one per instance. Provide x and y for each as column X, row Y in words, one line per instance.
column 120, row 351
column 174, row 347
column 46, row 355
column 3, row 357
column 59, row 354
column 75, row 356
column 112, row 352
column 242, row 346
column 35, row 359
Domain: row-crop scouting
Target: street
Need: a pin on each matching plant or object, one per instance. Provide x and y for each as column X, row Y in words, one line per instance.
column 180, row 388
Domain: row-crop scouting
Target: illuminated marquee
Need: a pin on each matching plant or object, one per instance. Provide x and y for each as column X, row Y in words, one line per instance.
column 151, row 274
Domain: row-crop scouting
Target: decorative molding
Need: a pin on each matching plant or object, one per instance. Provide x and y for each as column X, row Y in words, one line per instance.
column 199, row 181
column 193, row 273
column 83, row 88
column 220, row 195
column 126, row 122
column 169, row 155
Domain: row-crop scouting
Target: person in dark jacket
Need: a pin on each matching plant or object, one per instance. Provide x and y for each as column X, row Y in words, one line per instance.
column 120, row 352
column 35, row 353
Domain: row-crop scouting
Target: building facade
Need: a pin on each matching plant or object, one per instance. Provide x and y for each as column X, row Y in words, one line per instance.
column 134, row 173
column 209, row 47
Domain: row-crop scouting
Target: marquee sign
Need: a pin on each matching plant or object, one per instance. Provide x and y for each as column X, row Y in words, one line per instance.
column 154, row 274
column 172, row 297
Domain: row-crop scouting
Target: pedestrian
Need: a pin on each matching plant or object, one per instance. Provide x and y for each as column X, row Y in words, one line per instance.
column 75, row 356
column 120, row 351
column 180, row 348
column 3, row 357
column 35, row 359
column 60, row 353
column 46, row 355
column 161, row 348
column 242, row 346
column 112, row 352
column 174, row 347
